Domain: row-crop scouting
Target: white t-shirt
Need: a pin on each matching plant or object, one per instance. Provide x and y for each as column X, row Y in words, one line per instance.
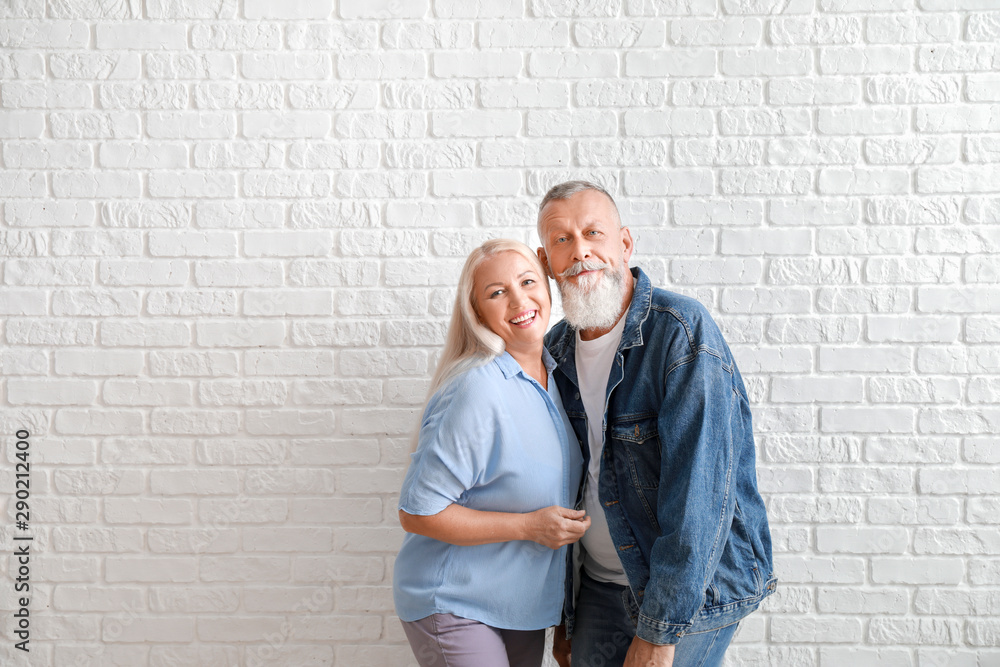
column 593, row 366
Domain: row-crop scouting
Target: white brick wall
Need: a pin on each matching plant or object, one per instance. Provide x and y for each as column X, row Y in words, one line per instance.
column 230, row 233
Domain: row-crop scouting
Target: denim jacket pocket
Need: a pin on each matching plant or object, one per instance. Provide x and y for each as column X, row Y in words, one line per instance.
column 638, row 439
column 738, row 575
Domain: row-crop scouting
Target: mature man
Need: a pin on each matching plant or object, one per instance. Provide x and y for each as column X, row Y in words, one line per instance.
column 679, row 549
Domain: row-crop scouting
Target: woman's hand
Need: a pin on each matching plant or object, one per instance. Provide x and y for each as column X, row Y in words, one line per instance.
column 552, row 527
column 556, row 526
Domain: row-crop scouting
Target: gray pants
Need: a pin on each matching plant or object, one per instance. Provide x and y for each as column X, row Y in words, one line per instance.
column 446, row 640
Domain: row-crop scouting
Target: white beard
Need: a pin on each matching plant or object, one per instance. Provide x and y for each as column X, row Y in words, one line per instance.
column 595, row 303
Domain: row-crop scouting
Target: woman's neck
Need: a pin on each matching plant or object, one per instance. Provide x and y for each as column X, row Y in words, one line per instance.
column 531, row 363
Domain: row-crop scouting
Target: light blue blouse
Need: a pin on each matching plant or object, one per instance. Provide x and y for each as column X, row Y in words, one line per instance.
column 492, row 439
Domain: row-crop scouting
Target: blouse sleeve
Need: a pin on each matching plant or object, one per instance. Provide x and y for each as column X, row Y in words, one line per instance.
column 455, row 437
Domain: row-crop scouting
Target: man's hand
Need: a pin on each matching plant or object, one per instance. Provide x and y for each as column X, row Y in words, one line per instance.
column 643, row 654
column 561, row 646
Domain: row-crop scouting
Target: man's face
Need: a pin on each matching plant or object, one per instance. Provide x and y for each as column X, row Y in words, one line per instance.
column 583, row 228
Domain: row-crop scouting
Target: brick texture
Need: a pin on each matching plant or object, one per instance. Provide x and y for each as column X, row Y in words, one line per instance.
column 230, row 233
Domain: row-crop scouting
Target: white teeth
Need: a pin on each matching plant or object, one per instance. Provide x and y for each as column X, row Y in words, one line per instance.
column 524, row 318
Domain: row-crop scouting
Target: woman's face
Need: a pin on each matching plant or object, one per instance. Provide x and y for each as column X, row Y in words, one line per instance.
column 512, row 301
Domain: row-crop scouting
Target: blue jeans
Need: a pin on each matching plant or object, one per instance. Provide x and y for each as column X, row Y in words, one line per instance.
column 604, row 630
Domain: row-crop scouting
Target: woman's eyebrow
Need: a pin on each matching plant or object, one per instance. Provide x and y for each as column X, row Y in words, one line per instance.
column 500, row 283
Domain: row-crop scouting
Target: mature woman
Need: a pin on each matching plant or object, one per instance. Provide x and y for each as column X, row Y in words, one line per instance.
column 487, row 500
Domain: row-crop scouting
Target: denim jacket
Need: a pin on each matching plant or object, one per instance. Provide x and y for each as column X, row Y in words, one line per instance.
column 678, row 480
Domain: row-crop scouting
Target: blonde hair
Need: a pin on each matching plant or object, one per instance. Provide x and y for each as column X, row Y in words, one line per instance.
column 470, row 343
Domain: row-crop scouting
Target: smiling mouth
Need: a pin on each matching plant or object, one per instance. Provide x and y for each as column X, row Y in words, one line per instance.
column 525, row 319
column 588, row 279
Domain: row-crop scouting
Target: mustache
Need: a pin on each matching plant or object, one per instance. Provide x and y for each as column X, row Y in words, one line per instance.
column 585, row 265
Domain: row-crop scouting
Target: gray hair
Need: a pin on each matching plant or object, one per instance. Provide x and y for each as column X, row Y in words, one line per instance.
column 567, row 190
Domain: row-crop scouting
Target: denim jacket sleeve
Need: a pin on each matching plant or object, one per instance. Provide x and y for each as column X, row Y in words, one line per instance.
column 696, row 506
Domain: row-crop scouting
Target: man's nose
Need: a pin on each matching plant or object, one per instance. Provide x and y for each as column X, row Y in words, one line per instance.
column 581, row 250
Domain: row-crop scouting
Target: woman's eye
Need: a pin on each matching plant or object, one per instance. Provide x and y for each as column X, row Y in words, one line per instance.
column 497, row 293
column 528, row 281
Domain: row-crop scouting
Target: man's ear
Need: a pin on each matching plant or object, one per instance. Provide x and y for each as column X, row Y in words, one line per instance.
column 544, row 259
column 627, row 243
